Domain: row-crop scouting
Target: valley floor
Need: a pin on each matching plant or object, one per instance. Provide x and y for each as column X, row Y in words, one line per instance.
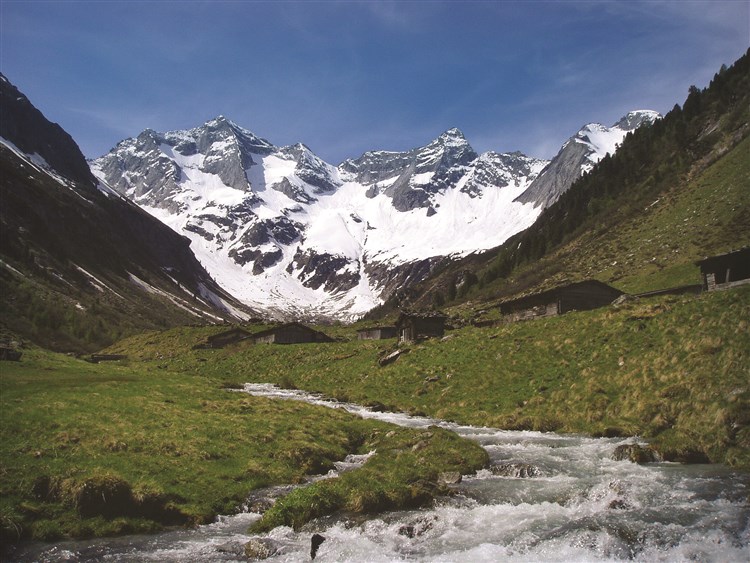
column 160, row 432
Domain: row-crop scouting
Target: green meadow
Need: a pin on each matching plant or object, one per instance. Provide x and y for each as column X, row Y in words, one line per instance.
column 168, row 448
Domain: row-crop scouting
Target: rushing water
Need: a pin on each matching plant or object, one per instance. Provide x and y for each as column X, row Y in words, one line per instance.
column 577, row 505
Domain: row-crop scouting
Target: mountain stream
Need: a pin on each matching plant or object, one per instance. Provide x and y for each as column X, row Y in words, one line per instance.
column 560, row 498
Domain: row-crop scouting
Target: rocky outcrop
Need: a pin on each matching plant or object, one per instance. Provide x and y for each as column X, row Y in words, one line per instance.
column 557, row 177
column 449, row 478
column 332, row 273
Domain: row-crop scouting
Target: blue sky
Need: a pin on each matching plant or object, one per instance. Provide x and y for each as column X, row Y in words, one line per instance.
column 345, row 77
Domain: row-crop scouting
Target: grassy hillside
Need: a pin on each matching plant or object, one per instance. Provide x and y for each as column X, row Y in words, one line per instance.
column 89, row 450
column 674, row 370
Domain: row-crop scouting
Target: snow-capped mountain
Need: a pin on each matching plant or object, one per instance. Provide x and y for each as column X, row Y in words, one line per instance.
column 284, row 231
column 579, row 154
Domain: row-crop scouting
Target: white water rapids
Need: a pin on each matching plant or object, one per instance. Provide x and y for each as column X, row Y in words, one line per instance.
column 580, row 505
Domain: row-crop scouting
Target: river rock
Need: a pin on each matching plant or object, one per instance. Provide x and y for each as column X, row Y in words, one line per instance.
column 635, row 453
column 449, row 478
column 391, row 357
column 260, row 506
column 618, row 504
column 515, row 469
column 417, row 528
column 315, row 542
column 260, row 548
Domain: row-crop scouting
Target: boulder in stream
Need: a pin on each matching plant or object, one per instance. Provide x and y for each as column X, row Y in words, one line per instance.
column 260, row 548
column 515, row 469
column 635, row 453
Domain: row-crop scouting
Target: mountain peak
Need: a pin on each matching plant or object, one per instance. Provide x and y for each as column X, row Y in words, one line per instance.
column 452, row 136
column 634, row 119
column 453, row 132
column 219, row 122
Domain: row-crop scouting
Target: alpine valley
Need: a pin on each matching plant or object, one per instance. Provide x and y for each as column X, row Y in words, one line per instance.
column 295, row 237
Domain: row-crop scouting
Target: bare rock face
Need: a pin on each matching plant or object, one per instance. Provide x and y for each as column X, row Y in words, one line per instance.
column 558, row 176
column 579, row 154
column 328, row 271
column 416, row 174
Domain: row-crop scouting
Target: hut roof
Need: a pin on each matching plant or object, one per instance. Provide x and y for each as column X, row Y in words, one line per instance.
column 712, row 261
column 277, row 328
column 232, row 331
column 421, row 315
column 544, row 297
column 379, row 327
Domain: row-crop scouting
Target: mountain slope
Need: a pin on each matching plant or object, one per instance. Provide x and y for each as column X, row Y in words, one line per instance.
column 673, row 193
column 579, row 155
column 80, row 264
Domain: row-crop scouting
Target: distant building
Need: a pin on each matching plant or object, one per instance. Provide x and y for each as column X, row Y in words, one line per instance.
column 377, row 333
column 96, row 358
column 10, row 354
column 413, row 326
column 580, row 296
column 725, row 270
column 290, row 333
column 224, row 339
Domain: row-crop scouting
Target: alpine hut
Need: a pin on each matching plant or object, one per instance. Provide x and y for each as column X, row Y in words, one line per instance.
column 290, row 333
column 579, row 296
column 413, row 326
column 725, row 270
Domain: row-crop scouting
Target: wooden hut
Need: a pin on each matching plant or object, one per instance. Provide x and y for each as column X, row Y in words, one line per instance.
column 377, row 333
column 413, row 326
column 725, row 270
column 224, row 339
column 290, row 333
column 10, row 354
column 579, row 296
